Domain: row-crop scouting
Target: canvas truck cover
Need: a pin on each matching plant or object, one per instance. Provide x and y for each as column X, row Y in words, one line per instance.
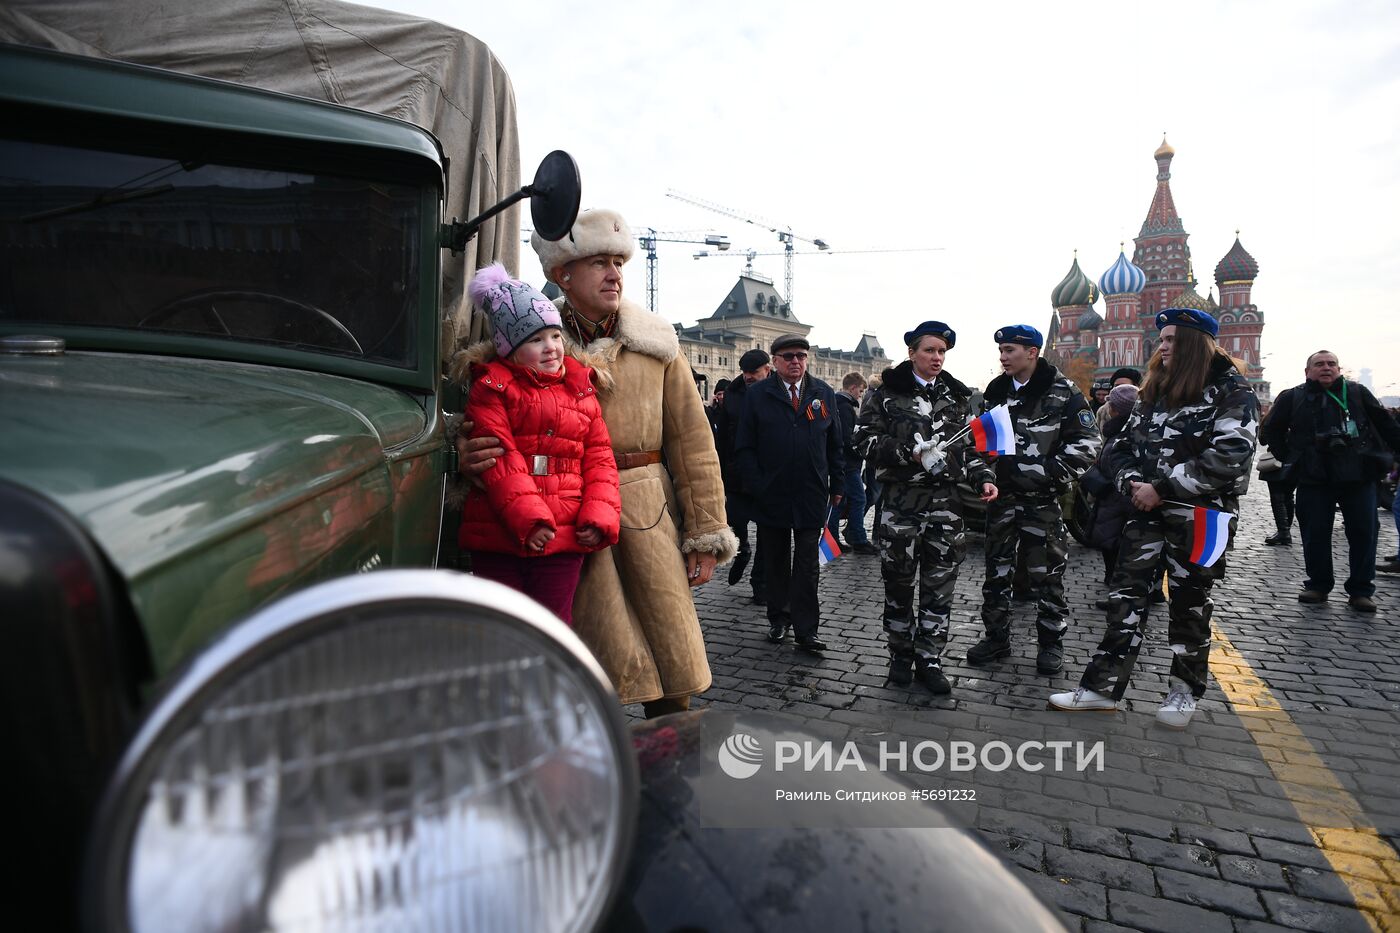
column 416, row 70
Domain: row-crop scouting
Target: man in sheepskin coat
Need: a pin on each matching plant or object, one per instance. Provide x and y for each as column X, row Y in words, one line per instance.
column 633, row 606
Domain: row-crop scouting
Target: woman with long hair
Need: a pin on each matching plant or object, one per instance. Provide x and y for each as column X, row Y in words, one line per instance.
column 1189, row 443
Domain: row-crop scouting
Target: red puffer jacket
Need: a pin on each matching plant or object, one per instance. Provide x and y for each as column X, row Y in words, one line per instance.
column 540, row 415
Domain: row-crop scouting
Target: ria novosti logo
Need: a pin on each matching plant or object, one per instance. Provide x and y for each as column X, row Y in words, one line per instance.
column 740, row 756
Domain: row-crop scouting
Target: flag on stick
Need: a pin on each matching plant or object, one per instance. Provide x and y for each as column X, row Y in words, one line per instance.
column 827, row 548
column 993, row 432
column 1212, row 534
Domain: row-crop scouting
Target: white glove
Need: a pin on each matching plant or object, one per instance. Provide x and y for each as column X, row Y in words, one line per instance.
column 930, row 454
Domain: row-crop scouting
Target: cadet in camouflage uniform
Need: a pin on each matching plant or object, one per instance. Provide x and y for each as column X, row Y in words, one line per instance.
column 902, row 429
column 1189, row 442
column 1056, row 441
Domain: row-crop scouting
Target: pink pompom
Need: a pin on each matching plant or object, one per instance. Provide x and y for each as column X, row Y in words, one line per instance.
column 487, row 280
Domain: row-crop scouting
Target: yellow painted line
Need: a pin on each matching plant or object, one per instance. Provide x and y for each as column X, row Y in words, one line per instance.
column 1366, row 863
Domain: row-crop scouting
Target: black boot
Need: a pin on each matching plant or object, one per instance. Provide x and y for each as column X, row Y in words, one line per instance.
column 901, row 670
column 736, row 569
column 1282, row 507
column 989, row 649
column 931, row 676
column 1050, row 658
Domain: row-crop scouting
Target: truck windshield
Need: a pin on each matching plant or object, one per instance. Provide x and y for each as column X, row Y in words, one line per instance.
column 113, row 239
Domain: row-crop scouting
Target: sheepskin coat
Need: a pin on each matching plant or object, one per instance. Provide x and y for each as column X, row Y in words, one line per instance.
column 553, row 416
column 633, row 606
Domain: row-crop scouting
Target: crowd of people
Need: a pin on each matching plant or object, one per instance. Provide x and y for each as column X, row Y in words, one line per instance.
column 604, row 488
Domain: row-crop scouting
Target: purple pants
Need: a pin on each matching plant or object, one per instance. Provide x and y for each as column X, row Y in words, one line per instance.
column 549, row 581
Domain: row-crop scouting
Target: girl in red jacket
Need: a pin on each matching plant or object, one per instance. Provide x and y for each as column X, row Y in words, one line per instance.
column 553, row 497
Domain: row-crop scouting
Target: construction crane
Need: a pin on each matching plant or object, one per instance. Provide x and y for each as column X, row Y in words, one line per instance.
column 750, row 254
column 784, row 232
column 652, row 236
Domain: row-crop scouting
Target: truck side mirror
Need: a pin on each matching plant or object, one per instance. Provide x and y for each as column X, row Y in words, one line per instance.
column 554, row 198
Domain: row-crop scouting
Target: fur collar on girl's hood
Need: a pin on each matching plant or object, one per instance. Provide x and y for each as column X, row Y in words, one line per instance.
column 637, row 330
column 900, row 380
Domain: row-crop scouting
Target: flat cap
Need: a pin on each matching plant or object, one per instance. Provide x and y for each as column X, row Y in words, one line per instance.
column 753, row 360
column 789, row 340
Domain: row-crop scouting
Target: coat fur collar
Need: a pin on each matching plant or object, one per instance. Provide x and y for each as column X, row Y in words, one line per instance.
column 637, row 330
column 999, row 390
column 900, row 381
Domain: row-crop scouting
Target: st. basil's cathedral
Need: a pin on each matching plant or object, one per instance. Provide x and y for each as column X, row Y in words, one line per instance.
column 1159, row 276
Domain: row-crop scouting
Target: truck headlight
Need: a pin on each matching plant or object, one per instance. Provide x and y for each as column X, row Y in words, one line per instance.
column 400, row 750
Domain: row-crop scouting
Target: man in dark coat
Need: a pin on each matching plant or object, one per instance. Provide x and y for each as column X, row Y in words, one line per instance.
column 754, row 367
column 788, row 449
column 848, row 408
column 1331, row 434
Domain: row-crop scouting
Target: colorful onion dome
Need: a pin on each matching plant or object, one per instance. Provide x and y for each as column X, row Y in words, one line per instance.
column 1123, row 278
column 1090, row 320
column 1237, row 266
column 1075, row 288
column 1164, row 149
column 1189, row 299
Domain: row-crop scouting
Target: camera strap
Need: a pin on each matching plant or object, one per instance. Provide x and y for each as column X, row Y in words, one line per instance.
column 1348, row 425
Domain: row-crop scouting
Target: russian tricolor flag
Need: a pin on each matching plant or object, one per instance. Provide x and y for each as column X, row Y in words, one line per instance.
column 1212, row 533
column 993, row 433
column 827, row 548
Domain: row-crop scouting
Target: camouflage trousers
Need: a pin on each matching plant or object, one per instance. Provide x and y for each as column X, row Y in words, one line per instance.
column 1147, row 537
column 920, row 535
column 1035, row 527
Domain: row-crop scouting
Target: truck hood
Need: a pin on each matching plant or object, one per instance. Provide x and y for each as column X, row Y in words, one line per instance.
column 155, row 455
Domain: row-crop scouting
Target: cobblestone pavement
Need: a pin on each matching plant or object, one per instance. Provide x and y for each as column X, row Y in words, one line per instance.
column 1278, row 809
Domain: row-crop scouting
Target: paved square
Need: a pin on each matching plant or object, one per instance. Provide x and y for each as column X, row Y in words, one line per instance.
column 1278, row 808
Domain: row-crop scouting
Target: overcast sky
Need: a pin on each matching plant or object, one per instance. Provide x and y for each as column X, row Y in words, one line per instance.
column 1009, row 134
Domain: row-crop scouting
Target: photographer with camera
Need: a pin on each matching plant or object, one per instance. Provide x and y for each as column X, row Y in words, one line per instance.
column 1332, row 435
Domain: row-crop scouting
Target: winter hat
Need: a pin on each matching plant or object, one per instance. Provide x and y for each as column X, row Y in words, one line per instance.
column 597, row 232
column 517, row 311
column 1127, row 372
column 1121, row 399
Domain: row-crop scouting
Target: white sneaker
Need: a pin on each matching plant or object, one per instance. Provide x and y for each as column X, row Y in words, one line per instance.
column 1081, row 699
column 1181, row 704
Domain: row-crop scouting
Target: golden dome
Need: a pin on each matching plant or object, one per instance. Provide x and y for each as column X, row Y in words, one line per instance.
column 1164, row 149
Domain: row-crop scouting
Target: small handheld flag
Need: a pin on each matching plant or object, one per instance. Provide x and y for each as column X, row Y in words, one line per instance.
column 827, row 549
column 1212, row 534
column 993, row 432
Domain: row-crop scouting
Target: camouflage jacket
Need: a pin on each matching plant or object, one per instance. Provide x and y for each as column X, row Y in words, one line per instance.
column 1200, row 453
column 1057, row 438
column 891, row 415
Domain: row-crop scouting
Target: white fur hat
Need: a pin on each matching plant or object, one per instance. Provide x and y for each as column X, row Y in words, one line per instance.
column 598, row 232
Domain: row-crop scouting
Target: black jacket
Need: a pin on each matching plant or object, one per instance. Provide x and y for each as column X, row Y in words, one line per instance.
column 848, row 409
column 790, row 462
column 1305, row 430
column 728, row 426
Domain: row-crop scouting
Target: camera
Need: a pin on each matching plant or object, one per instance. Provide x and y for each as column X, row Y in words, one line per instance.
column 1335, row 440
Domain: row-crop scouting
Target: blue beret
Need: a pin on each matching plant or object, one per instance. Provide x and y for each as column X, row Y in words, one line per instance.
column 931, row 329
column 1024, row 334
column 1188, row 317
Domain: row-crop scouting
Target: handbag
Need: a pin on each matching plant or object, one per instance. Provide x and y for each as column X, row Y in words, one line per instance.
column 1266, row 463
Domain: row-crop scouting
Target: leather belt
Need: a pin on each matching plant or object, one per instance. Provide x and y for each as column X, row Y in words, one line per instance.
column 638, row 458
